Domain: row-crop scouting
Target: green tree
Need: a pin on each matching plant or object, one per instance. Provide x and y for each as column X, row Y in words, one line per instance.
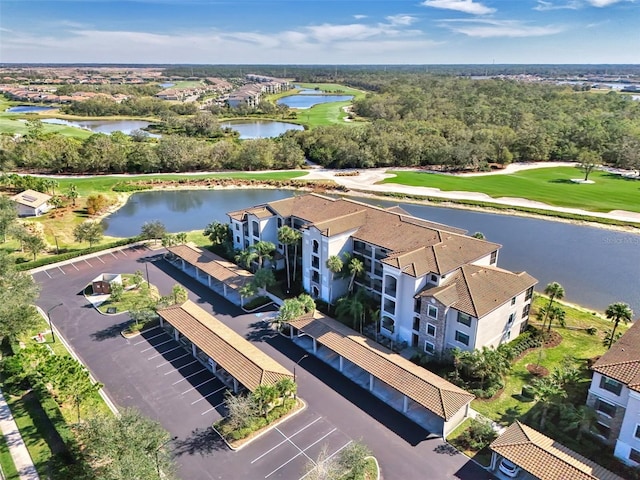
column 555, row 313
column 179, row 294
column 72, row 193
column 264, row 251
column 116, row 291
column 89, row 231
column 356, row 268
column 287, row 236
column 353, row 459
column 555, row 292
column 169, row 240
column 578, row 419
column 217, row 232
column 138, row 278
column 547, row 393
column 125, row 446
column 248, row 290
column 264, row 396
column 264, row 278
column 8, row 215
column 285, row 387
column 18, row 293
column 96, row 204
column 617, row 312
column 153, row 230
column 34, row 244
column 588, row 161
column 352, row 306
column 293, row 308
column 335, row 266
column 181, row 238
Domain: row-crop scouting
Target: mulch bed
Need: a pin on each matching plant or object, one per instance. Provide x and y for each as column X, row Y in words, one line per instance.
column 537, row 370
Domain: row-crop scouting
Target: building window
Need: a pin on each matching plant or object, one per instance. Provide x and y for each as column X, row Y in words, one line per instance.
column 390, row 284
column 316, row 246
column 494, row 257
column 529, row 294
column 610, row 385
column 429, row 348
column 464, row 319
column 256, row 229
column 525, row 310
column 315, row 292
column 605, row 408
column 513, row 301
column 434, row 278
column 237, row 239
column 416, row 324
column 462, row 338
column 389, row 306
column 511, row 318
column 431, row 330
column 315, row 261
column 279, row 223
column 637, row 433
column 634, row 455
column 315, row 277
column 237, row 226
column 432, row 311
column 416, row 305
column 388, row 323
column 602, row 430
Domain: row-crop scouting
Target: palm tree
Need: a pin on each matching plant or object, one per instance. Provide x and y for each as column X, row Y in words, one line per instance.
column 263, row 251
column 352, row 306
column 245, row 258
column 555, row 292
column 285, row 388
column 246, row 291
column 297, row 236
column 547, row 392
column 264, row 396
column 579, row 418
column 618, row 312
column 72, row 193
column 356, row 267
column 287, row 236
column 181, row 238
column 554, row 313
column 335, row 265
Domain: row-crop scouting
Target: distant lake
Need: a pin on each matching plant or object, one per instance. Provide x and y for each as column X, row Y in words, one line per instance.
column 167, row 84
column 260, row 128
column 104, row 126
column 308, row 100
column 29, row 109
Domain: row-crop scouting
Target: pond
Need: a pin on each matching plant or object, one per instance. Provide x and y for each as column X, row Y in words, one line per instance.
column 30, row 109
column 167, row 84
column 595, row 266
column 260, row 128
column 307, row 100
column 104, row 126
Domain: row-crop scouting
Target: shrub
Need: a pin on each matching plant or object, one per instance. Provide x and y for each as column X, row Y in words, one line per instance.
column 477, row 436
column 129, row 187
column 592, row 330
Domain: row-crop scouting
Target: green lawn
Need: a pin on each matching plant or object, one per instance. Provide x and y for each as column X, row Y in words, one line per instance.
column 552, row 186
column 576, row 345
column 6, row 461
column 328, row 113
column 187, row 84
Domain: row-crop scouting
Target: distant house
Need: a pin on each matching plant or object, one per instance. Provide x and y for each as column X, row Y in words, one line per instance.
column 102, row 283
column 31, row 203
column 615, row 396
column 524, row 453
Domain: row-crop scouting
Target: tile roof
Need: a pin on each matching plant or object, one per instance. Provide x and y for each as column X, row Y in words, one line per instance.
column 31, row 198
column 422, row 386
column 545, row 458
column 250, row 366
column 479, row 289
column 212, row 264
column 622, row 361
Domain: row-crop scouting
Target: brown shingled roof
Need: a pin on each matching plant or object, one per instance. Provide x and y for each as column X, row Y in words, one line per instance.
column 622, row 361
column 250, row 366
column 422, row 386
column 212, row 264
column 545, row 458
column 480, row 289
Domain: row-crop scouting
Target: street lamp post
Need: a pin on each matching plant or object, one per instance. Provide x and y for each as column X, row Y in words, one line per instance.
column 53, row 336
column 172, row 439
column 295, row 394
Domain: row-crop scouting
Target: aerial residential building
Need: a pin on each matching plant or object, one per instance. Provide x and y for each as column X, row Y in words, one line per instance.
column 31, row 203
column 437, row 287
column 615, row 396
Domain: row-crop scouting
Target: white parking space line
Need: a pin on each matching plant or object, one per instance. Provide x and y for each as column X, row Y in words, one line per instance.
column 164, row 364
column 301, row 451
column 74, row 266
column 47, row 273
column 61, row 271
column 162, row 353
column 85, row 260
column 156, row 346
column 208, row 395
column 212, row 408
column 285, row 439
column 150, row 338
column 188, row 376
column 328, row 458
column 113, row 255
column 196, row 386
column 122, row 252
column 100, row 259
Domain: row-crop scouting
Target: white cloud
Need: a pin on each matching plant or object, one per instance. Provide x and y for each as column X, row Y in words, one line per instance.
column 466, row 6
column 544, row 6
column 360, row 17
column 401, row 19
column 604, row 3
column 487, row 28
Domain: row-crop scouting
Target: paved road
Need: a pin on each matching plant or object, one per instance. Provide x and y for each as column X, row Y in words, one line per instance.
column 336, row 406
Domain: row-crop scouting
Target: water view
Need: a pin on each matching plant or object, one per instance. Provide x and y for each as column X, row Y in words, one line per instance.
column 104, row 126
column 309, row 100
column 260, row 128
column 29, row 109
column 596, row 266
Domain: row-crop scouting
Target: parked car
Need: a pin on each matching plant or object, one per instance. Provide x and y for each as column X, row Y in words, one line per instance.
column 509, row 468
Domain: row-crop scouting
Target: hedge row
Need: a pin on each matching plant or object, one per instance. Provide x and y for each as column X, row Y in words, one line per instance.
column 76, row 253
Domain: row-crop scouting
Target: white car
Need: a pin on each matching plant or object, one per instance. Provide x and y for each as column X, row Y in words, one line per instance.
column 509, row 468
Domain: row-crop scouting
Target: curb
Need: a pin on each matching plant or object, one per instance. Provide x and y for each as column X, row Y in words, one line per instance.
column 265, row 431
column 375, row 460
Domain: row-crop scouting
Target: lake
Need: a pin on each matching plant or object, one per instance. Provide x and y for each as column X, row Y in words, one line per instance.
column 104, row 126
column 260, row 128
column 29, row 109
column 595, row 266
column 308, row 100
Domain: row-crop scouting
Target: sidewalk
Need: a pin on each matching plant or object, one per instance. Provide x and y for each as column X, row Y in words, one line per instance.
column 17, row 448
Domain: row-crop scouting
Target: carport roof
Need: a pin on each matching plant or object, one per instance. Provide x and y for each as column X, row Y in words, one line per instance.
column 544, row 457
column 250, row 366
column 437, row 395
column 212, row 264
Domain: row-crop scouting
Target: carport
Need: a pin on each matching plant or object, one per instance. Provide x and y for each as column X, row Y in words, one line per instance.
column 541, row 457
column 218, row 274
column 426, row 398
column 230, row 357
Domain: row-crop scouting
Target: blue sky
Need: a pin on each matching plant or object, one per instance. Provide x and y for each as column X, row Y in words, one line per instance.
column 320, row 31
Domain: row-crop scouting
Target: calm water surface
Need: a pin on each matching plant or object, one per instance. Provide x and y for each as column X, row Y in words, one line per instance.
column 596, row 266
column 260, row 128
column 104, row 126
column 308, row 100
column 29, row 109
